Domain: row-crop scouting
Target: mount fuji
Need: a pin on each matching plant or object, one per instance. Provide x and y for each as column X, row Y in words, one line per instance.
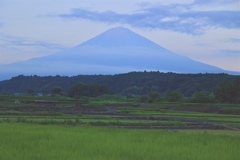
column 116, row 50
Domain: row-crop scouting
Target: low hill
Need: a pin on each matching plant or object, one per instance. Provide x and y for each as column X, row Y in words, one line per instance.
column 135, row 83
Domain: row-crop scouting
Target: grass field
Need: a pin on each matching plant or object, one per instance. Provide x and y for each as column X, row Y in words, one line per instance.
column 103, row 128
column 40, row 142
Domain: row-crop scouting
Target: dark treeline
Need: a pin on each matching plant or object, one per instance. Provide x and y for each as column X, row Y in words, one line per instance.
column 133, row 83
column 82, row 89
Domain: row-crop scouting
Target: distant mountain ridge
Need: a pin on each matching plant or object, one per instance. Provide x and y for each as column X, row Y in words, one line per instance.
column 117, row 50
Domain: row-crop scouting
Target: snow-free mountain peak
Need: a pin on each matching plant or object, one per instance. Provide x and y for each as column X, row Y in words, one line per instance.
column 117, row 50
column 118, row 37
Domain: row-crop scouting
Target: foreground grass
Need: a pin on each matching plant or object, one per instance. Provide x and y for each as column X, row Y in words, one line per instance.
column 28, row 141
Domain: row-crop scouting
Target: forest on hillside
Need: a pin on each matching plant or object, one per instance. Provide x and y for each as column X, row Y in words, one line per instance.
column 133, row 84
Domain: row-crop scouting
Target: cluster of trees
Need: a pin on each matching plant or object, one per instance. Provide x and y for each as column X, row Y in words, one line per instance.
column 228, row 92
column 139, row 83
column 147, row 85
column 82, row 89
column 175, row 96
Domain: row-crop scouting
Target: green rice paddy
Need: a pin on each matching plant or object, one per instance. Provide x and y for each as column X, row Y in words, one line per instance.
column 64, row 142
column 29, row 131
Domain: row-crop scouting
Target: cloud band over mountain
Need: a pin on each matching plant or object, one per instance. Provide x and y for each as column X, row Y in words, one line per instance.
column 186, row 18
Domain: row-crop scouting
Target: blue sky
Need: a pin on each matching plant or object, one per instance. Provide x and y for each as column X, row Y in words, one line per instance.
column 204, row 30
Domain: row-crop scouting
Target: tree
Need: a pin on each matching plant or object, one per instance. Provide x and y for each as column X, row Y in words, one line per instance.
column 30, row 91
column 173, row 96
column 79, row 89
column 133, row 90
column 153, row 96
column 56, row 90
column 237, row 87
column 229, row 92
column 82, row 89
column 143, row 99
column 202, row 97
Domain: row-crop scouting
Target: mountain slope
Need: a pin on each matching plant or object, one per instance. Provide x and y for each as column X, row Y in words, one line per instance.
column 117, row 50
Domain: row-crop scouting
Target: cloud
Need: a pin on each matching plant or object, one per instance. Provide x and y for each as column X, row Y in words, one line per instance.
column 175, row 17
column 230, row 53
column 16, row 48
column 18, row 41
column 233, row 40
column 215, row 2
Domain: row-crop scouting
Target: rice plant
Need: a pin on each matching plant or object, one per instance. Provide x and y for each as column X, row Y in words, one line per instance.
column 31, row 141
